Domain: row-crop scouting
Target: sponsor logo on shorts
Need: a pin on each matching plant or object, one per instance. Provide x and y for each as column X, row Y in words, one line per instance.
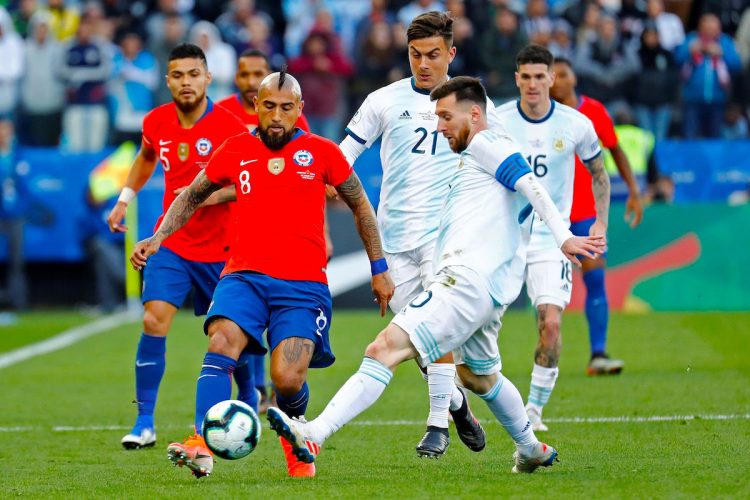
column 321, row 322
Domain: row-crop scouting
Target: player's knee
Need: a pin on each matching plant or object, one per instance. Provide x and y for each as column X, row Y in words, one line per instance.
column 378, row 348
column 155, row 324
column 288, row 381
column 224, row 341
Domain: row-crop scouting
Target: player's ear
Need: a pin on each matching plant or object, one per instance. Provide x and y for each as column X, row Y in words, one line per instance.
column 301, row 105
column 452, row 54
column 518, row 79
column 208, row 78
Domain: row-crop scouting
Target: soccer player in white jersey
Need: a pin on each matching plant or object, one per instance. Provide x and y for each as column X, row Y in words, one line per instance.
column 550, row 134
column 480, row 261
column 417, row 166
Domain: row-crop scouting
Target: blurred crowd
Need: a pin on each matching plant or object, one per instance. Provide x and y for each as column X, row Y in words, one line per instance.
column 81, row 74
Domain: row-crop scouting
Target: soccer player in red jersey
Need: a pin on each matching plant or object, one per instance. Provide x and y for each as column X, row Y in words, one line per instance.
column 252, row 67
column 275, row 277
column 182, row 136
column 583, row 213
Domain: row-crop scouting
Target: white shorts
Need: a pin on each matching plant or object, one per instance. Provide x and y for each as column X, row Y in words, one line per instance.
column 455, row 314
column 411, row 272
column 549, row 279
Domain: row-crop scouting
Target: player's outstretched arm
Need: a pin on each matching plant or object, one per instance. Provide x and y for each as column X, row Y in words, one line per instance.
column 633, row 206
column 223, row 195
column 141, row 171
column 353, row 194
column 182, row 208
column 600, row 186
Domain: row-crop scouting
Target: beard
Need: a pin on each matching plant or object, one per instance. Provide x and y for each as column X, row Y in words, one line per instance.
column 188, row 107
column 272, row 141
column 460, row 141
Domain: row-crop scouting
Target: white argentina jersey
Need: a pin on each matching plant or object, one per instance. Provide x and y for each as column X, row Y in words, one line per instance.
column 480, row 224
column 550, row 144
column 417, row 162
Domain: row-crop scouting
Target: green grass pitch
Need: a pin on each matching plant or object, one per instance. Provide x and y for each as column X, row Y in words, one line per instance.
column 689, row 365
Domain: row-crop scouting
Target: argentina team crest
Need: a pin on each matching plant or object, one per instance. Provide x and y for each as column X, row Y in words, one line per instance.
column 303, row 158
column 203, row 146
column 276, row 165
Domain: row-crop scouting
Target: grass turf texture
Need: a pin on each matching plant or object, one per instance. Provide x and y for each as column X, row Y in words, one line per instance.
column 33, row 327
column 677, row 364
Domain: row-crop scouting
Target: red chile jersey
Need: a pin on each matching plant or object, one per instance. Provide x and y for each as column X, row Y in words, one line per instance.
column 584, row 206
column 233, row 104
column 183, row 153
column 280, row 203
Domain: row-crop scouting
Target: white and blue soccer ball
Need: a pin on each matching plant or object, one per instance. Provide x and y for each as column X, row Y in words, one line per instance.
column 231, row 429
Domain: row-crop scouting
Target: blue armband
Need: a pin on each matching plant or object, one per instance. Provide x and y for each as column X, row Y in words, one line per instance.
column 378, row 266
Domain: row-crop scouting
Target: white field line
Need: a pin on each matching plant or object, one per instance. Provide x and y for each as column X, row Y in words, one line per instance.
column 625, row 419
column 67, row 338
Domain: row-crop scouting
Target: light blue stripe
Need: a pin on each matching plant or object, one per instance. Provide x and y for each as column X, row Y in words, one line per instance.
column 375, row 376
column 479, row 362
column 434, row 352
column 493, row 392
column 429, row 337
column 377, row 367
column 423, row 339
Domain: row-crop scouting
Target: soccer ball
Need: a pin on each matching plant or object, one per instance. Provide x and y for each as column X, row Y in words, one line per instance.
column 231, row 429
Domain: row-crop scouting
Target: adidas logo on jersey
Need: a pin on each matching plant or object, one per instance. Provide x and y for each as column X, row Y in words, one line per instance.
column 405, row 116
column 565, row 287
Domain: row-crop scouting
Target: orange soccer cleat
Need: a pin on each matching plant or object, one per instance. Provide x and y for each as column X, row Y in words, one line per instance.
column 194, row 454
column 296, row 467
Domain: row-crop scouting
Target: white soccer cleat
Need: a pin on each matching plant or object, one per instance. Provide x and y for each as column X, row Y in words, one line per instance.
column 604, row 365
column 292, row 430
column 142, row 437
column 535, row 417
column 544, row 456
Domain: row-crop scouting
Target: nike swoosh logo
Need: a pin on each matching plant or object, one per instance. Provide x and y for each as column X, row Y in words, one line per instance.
column 245, row 162
column 164, row 143
column 140, row 365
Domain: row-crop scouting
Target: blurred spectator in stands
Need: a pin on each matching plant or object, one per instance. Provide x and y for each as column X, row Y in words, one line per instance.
column 378, row 13
column 131, row 89
column 468, row 60
column 12, row 216
column 537, row 24
column 735, row 123
column 742, row 41
column 378, row 64
column 220, row 56
column 500, row 44
column 85, row 69
column 708, row 58
column 322, row 70
column 575, row 13
column 561, row 43
column 42, row 93
column 11, row 69
column 417, row 7
column 587, row 29
column 670, row 28
column 64, row 19
column 606, row 66
column 632, row 16
column 173, row 34
column 233, row 23
column 261, row 37
column 654, row 93
column 156, row 22
column 22, row 16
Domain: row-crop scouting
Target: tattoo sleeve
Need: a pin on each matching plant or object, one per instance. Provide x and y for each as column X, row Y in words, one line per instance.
column 353, row 194
column 600, row 186
column 184, row 206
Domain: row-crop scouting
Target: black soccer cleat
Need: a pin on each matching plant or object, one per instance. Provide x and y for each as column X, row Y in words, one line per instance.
column 434, row 443
column 469, row 429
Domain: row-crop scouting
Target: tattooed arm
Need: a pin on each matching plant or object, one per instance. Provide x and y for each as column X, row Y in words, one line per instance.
column 353, row 194
column 600, row 186
column 223, row 195
column 182, row 208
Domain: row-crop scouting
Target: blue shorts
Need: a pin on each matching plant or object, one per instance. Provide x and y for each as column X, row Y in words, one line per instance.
column 169, row 277
column 286, row 308
column 581, row 228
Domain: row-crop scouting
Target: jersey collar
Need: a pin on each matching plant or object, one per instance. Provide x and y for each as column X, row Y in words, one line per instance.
column 209, row 108
column 417, row 89
column 299, row 132
column 532, row 120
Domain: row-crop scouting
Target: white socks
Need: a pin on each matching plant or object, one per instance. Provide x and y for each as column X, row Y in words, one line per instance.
column 542, row 382
column 355, row 396
column 441, row 383
column 506, row 404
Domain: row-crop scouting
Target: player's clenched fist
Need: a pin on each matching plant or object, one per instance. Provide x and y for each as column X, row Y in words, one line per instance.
column 142, row 251
column 115, row 218
column 383, row 288
column 590, row 246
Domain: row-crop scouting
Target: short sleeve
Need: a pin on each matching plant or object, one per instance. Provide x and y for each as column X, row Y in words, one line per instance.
column 499, row 156
column 219, row 168
column 587, row 142
column 147, row 131
column 604, row 128
column 338, row 169
column 366, row 125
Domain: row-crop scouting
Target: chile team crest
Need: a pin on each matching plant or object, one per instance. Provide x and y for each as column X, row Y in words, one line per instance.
column 303, row 158
column 203, row 146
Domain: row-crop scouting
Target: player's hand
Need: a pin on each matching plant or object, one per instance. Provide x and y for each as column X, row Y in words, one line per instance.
column 633, row 210
column 590, row 246
column 116, row 216
column 142, row 251
column 599, row 228
column 383, row 288
column 331, row 192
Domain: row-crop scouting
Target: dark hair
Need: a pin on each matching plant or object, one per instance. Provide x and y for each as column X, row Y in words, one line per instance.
column 255, row 53
column 187, row 51
column 282, row 76
column 563, row 60
column 431, row 24
column 534, row 54
column 466, row 88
